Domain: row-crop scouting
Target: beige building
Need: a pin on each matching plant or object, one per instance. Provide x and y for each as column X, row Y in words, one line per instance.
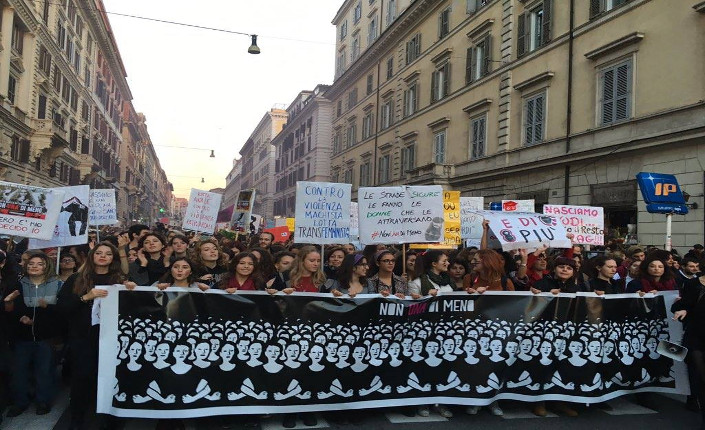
column 62, row 89
column 302, row 148
column 526, row 99
column 256, row 164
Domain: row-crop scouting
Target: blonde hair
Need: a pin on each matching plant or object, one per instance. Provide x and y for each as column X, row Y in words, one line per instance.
column 318, row 278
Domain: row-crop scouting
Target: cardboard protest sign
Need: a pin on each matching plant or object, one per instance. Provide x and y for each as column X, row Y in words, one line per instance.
column 516, row 230
column 291, row 224
column 518, row 206
column 451, row 214
column 202, row 211
column 281, row 233
column 406, row 214
column 72, row 224
column 586, row 223
column 103, row 208
column 27, row 211
column 322, row 213
column 471, row 222
column 243, row 210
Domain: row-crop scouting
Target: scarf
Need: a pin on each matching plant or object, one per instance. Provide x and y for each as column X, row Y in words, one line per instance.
column 430, row 276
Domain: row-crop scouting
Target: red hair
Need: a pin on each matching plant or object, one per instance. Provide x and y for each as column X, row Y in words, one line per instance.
column 492, row 268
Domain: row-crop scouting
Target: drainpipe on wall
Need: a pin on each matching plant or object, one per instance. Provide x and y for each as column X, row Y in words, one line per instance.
column 569, row 107
column 379, row 67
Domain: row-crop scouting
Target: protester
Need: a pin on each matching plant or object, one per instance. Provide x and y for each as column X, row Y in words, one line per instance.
column 405, row 264
column 134, row 234
column 634, row 253
column 488, row 274
column 603, row 271
column 582, row 279
column 67, row 266
column 334, row 258
column 560, row 280
column 75, row 303
column 690, row 268
column 433, row 274
column 179, row 246
column 458, row 271
column 35, row 326
column 352, row 278
column 266, row 239
column 152, row 263
column 386, row 281
column 209, row 263
column 282, row 263
column 180, row 274
column 265, row 263
column 306, row 275
column 654, row 275
column 243, row 275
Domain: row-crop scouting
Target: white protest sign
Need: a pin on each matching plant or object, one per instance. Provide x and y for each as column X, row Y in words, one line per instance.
column 242, row 210
column 354, row 223
column 471, row 222
column 516, row 230
column 406, row 214
column 103, row 208
column 72, row 225
column 518, row 206
column 586, row 223
column 27, row 211
column 202, row 211
column 322, row 213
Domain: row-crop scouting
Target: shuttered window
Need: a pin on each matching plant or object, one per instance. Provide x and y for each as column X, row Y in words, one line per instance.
column 534, row 119
column 408, row 158
column 477, row 137
column 534, row 28
column 365, row 174
column 479, row 60
column 616, row 88
column 439, row 147
column 440, row 82
column 383, row 170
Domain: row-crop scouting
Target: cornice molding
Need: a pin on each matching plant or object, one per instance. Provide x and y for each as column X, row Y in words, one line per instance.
column 622, row 42
column 477, row 105
column 541, row 77
column 439, row 122
column 481, row 28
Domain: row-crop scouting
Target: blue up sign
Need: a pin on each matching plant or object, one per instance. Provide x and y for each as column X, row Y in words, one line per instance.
column 661, row 193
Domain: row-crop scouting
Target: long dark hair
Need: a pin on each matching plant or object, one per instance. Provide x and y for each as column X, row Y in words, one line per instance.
column 345, row 273
column 650, row 258
column 169, row 278
column 256, row 275
column 84, row 279
column 425, row 260
column 265, row 265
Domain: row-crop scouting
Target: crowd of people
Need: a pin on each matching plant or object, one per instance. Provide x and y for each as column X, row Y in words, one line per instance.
column 47, row 325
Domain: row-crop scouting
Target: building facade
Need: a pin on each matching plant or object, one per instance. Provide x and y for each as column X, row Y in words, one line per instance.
column 302, row 148
column 257, row 164
column 62, row 88
column 511, row 99
column 232, row 184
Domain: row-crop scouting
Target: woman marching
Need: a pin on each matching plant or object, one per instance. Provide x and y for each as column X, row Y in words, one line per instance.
column 244, row 274
column 432, row 270
column 351, row 278
column 75, row 302
column 306, row 275
column 488, row 274
column 386, row 281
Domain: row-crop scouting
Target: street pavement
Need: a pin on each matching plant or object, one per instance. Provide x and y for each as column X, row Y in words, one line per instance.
column 664, row 413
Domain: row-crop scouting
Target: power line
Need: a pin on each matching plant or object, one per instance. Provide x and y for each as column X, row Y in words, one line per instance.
column 185, row 24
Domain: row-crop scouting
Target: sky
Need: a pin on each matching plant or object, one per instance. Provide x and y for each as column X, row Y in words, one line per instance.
column 201, row 89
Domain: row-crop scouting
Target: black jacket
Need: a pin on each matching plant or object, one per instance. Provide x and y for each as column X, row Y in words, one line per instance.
column 549, row 283
column 609, row 287
column 47, row 322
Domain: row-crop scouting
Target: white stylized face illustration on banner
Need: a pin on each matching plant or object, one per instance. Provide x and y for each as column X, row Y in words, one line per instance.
column 72, row 226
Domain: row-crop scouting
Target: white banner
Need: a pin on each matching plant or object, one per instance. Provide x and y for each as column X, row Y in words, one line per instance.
column 72, row 225
column 516, row 230
column 27, row 211
column 202, row 211
column 518, row 206
column 406, row 214
column 354, row 221
column 322, row 213
column 470, row 221
column 242, row 211
column 103, row 208
column 586, row 223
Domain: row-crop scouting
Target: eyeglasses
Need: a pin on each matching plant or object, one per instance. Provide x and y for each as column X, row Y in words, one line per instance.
column 386, row 261
column 67, row 260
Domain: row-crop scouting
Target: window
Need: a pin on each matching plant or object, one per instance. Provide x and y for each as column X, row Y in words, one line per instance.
column 355, row 49
column 391, row 11
column 42, row 107
column 600, row 6
column 372, row 31
column 19, row 151
column 351, row 135
column 339, row 108
column 408, row 158
column 439, row 147
column 534, row 28
column 440, row 82
column 390, row 67
column 367, row 126
column 474, row 5
column 479, row 60
column 357, row 13
column 444, row 23
column 44, row 60
column 77, row 60
column 348, row 176
column 365, row 174
column 84, row 111
column 79, row 28
column 370, row 85
column 11, row 88
column 334, row 177
column 616, row 91
column 478, row 136
column 386, row 120
column 352, row 98
column 343, row 29
column 61, row 36
column 45, row 12
column 383, row 169
column 534, row 119
column 87, row 76
column 341, row 61
column 411, row 99
column 74, row 100
column 57, row 78
column 413, row 48
column 337, row 143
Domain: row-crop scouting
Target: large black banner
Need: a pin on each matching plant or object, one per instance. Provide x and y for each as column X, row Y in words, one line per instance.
column 188, row 353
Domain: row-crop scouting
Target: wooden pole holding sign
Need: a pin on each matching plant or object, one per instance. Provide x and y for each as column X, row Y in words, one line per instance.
column 58, row 259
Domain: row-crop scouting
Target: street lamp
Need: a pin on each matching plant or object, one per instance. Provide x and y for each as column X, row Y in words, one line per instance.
column 253, row 49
